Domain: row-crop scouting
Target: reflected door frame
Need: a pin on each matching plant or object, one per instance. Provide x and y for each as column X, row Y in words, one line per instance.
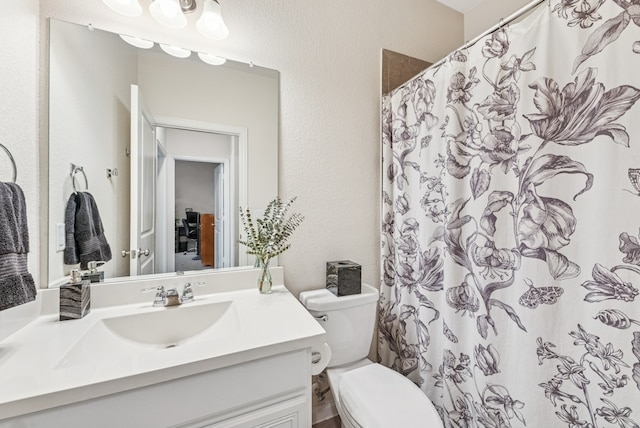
column 239, row 150
column 227, row 190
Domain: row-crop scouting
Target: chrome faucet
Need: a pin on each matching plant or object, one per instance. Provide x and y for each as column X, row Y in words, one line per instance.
column 164, row 297
column 187, row 292
column 171, row 297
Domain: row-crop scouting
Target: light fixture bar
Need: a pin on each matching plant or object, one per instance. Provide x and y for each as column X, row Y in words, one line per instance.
column 188, row 6
column 171, row 13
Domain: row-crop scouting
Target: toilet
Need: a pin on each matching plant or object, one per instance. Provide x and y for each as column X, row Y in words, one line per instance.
column 367, row 394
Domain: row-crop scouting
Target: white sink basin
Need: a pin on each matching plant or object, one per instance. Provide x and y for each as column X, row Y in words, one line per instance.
column 154, row 329
column 170, row 326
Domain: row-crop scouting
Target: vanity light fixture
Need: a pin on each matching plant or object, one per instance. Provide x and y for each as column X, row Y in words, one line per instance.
column 211, row 59
column 176, row 51
column 171, row 13
column 125, row 7
column 137, row 42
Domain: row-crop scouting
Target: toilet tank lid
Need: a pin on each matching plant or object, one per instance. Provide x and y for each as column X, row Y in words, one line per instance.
column 324, row 300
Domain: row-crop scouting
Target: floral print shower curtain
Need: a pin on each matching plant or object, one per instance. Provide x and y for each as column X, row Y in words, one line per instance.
column 511, row 218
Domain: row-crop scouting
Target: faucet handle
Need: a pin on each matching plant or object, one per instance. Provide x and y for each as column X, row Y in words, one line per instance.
column 187, row 292
column 160, row 297
column 159, row 289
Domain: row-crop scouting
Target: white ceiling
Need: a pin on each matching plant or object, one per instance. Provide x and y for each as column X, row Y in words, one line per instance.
column 462, row 6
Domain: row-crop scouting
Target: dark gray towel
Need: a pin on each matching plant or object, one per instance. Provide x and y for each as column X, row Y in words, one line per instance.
column 85, row 240
column 16, row 283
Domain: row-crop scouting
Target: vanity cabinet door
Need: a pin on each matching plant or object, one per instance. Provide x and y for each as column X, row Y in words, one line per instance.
column 288, row 414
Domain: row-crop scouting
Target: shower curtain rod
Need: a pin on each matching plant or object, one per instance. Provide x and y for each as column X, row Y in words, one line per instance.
column 504, row 21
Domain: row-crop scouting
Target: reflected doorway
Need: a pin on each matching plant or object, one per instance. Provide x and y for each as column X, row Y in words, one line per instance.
column 197, row 196
column 199, row 215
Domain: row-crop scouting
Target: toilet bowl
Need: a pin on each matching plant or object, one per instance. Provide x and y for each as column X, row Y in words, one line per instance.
column 367, row 394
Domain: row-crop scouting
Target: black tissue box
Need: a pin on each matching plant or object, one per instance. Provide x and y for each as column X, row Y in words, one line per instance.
column 344, row 277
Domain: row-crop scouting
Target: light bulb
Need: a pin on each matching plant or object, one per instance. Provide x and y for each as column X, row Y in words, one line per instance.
column 211, row 24
column 168, row 13
column 170, row 10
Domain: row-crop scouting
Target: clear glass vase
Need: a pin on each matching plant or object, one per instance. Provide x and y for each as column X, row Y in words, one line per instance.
column 264, row 277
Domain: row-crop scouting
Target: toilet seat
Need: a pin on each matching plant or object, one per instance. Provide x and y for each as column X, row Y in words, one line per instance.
column 375, row 396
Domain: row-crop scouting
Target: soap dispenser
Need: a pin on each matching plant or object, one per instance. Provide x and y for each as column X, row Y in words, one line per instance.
column 75, row 297
column 93, row 274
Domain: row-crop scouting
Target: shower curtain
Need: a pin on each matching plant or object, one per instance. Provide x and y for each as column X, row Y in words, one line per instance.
column 510, row 223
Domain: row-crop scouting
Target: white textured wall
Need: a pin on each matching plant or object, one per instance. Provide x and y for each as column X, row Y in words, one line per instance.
column 487, row 14
column 19, row 127
column 328, row 54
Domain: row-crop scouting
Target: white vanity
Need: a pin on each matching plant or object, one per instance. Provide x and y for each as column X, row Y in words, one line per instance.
column 230, row 358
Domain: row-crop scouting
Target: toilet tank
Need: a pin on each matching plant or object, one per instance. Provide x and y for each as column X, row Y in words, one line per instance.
column 348, row 320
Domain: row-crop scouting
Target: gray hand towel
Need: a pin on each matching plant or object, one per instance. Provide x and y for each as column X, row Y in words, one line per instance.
column 16, row 283
column 85, row 239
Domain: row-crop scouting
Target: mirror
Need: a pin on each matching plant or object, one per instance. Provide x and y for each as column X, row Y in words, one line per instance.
column 153, row 137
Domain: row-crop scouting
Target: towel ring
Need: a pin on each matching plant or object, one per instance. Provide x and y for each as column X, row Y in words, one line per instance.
column 74, row 170
column 13, row 162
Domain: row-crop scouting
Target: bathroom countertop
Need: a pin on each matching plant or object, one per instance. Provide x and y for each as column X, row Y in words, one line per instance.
column 50, row 363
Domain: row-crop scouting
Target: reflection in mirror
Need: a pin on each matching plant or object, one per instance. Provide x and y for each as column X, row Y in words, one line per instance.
column 170, row 148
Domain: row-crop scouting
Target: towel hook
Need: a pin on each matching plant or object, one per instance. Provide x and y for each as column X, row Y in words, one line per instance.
column 74, row 170
column 13, row 162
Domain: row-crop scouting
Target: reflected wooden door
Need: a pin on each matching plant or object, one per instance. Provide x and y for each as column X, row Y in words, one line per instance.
column 207, row 239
